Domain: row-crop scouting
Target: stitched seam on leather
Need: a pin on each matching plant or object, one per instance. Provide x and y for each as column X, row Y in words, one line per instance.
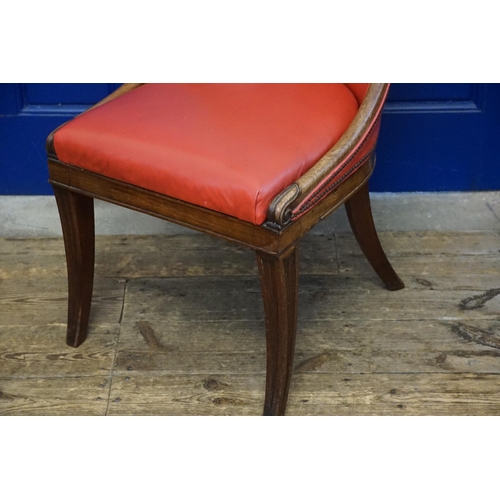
column 325, row 191
column 355, row 152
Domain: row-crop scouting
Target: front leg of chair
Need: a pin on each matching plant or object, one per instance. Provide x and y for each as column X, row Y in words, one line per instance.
column 279, row 282
column 360, row 216
column 77, row 219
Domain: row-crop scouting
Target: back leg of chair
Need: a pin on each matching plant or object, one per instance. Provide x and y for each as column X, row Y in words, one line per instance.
column 279, row 282
column 360, row 217
column 77, row 219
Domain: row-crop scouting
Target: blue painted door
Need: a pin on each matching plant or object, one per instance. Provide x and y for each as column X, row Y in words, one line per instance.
column 28, row 113
column 434, row 137
column 439, row 137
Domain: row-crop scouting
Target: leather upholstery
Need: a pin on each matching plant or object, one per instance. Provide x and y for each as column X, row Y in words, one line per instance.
column 227, row 147
column 360, row 153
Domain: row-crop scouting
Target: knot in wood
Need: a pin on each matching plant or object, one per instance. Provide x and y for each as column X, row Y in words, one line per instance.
column 211, row 384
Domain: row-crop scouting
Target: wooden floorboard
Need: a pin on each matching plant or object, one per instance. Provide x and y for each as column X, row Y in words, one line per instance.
column 177, row 328
column 325, row 298
column 33, row 301
column 54, row 395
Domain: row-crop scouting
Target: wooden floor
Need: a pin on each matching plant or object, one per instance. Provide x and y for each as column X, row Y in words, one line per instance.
column 177, row 329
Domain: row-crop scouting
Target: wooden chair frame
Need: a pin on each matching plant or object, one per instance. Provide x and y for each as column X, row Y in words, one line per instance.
column 275, row 242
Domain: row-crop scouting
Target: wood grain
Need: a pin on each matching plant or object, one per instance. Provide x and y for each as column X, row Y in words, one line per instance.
column 412, row 253
column 77, row 220
column 427, row 243
column 54, row 396
column 310, row 394
column 44, row 301
column 322, row 347
column 155, row 256
column 279, row 280
column 192, row 339
column 325, row 298
column 360, row 217
column 40, row 351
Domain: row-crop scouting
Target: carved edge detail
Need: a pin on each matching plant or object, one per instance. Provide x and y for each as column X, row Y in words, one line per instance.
column 328, row 188
column 279, row 212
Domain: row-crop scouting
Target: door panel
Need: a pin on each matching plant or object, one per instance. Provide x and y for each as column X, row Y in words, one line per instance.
column 434, row 137
column 28, row 113
column 415, row 92
column 439, row 137
column 63, row 93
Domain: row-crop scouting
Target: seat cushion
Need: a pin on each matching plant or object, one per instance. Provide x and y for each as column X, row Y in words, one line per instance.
column 359, row 90
column 227, row 147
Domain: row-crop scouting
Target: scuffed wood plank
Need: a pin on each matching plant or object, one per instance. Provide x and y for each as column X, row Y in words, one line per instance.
column 192, row 340
column 324, row 394
column 142, row 362
column 154, row 256
column 426, row 253
column 457, row 409
column 44, row 301
column 203, row 255
column 172, row 336
column 410, row 243
column 473, row 283
column 217, row 394
column 332, row 361
column 322, row 347
column 320, row 298
column 54, row 396
column 423, row 265
column 469, row 283
column 41, row 351
column 249, row 336
column 396, row 243
column 174, row 256
column 411, row 391
column 27, row 246
column 171, row 348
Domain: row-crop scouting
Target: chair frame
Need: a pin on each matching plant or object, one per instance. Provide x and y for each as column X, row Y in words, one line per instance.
column 275, row 242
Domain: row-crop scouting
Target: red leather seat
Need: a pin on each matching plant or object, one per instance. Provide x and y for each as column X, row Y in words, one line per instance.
column 230, row 148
